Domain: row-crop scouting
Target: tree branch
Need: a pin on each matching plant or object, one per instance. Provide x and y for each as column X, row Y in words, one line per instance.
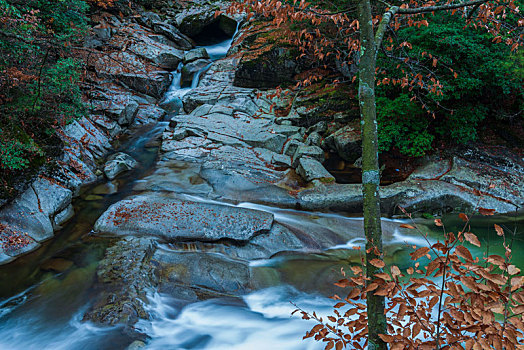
column 379, row 35
column 417, row 10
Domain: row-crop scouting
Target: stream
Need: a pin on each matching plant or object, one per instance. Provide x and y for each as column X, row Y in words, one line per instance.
column 44, row 295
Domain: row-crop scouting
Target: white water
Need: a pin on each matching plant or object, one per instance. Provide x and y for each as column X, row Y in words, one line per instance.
column 262, row 320
column 175, row 93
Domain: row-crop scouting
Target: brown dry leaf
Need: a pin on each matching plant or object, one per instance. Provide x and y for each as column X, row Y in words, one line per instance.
column 410, row 270
column 416, row 329
column 470, row 283
column 342, row 283
column 395, row 271
column 472, row 238
column 377, row 263
column 499, row 230
column 432, row 266
column 356, row 269
column 353, row 294
column 516, row 283
column 463, row 252
column 513, row 270
column 386, row 338
column 438, row 222
column 493, row 277
column 496, row 260
column 433, row 302
column 383, row 276
column 372, row 286
column 417, row 254
column 411, row 227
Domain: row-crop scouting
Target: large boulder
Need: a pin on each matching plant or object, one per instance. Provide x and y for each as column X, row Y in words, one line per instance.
column 173, row 34
column 118, row 163
column 128, row 114
column 273, row 68
column 207, row 274
column 134, row 72
column 195, row 21
column 124, row 275
column 52, row 197
column 180, row 220
column 346, row 142
column 137, row 40
column 311, row 169
column 313, row 152
column 195, row 54
column 26, row 218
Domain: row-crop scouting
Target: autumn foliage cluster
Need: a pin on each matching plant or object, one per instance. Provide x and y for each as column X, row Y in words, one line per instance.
column 447, row 299
column 443, row 78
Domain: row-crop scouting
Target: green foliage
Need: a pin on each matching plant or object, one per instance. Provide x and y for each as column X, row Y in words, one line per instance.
column 488, row 85
column 402, row 124
column 39, row 81
column 14, row 155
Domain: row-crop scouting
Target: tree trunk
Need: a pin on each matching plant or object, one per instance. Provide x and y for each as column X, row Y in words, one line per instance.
column 370, row 171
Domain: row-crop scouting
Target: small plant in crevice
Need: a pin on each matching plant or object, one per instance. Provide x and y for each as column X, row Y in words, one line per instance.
column 447, row 299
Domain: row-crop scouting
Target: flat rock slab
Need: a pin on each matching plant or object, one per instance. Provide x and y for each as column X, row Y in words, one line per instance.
column 178, row 220
column 208, row 274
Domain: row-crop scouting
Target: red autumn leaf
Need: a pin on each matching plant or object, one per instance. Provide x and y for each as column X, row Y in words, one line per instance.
column 438, row 222
column 464, row 217
column 499, row 230
column 486, row 212
column 417, row 254
column 463, row 252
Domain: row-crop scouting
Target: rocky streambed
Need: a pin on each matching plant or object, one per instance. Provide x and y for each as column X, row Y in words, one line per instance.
column 208, row 222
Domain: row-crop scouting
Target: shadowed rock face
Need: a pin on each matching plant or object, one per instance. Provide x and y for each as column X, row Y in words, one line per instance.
column 177, row 220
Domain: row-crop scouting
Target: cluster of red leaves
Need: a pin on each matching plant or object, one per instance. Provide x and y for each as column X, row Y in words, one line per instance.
column 451, row 301
column 331, row 38
column 102, row 3
column 11, row 239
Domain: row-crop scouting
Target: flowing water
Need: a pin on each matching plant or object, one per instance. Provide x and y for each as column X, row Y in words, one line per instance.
column 44, row 295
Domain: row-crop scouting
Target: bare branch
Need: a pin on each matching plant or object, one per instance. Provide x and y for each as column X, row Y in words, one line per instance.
column 417, row 10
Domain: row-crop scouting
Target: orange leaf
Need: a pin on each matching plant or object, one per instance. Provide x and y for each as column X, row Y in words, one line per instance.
column 499, row 230
column 408, row 226
column 486, row 212
column 419, row 253
column 464, row 217
column 438, row 222
column 377, row 263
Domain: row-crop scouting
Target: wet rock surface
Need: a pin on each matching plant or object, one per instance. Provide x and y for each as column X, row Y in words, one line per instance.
column 205, row 274
column 125, row 275
column 118, row 163
column 176, row 220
